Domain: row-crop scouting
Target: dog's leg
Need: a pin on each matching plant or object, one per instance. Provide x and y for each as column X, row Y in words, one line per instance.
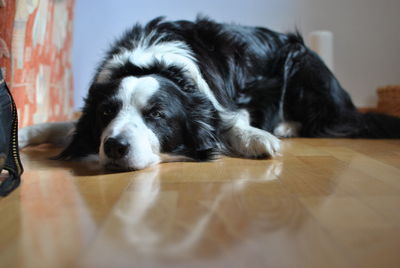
column 244, row 140
column 58, row 133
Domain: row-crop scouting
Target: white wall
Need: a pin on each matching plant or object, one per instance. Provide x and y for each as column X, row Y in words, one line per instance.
column 367, row 32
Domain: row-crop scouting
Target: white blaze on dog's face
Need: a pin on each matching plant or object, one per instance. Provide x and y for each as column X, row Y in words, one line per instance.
column 127, row 142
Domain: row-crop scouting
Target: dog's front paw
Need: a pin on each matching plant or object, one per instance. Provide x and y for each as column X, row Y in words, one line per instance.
column 252, row 142
column 260, row 143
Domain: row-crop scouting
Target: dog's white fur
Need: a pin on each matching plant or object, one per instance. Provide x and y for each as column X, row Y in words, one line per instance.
column 287, row 129
column 58, row 133
column 249, row 141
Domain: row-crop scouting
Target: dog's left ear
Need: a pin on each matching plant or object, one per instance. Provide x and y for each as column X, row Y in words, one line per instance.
column 202, row 141
column 86, row 139
column 83, row 142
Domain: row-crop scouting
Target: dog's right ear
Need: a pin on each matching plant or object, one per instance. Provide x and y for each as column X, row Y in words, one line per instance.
column 84, row 141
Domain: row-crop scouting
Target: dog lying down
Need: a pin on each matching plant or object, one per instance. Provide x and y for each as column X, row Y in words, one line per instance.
column 181, row 90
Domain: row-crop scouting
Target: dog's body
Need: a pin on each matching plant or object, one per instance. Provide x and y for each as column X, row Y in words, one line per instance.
column 182, row 90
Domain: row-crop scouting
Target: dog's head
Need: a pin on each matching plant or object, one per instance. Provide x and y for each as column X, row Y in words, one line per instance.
column 137, row 121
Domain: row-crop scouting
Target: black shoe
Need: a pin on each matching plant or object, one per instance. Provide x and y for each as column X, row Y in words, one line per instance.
column 9, row 155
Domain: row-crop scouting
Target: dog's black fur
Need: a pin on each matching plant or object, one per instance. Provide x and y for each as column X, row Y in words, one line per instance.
column 273, row 76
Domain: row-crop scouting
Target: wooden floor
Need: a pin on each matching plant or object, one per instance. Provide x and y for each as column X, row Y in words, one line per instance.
column 322, row 203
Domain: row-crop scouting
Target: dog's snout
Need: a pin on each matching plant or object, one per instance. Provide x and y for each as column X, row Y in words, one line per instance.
column 116, row 148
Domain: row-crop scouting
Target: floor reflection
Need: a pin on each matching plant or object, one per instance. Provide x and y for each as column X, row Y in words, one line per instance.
column 165, row 216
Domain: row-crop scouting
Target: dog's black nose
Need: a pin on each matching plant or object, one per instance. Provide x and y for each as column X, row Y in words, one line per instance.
column 116, row 148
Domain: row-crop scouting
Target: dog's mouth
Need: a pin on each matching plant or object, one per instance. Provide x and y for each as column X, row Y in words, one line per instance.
column 119, row 167
column 128, row 163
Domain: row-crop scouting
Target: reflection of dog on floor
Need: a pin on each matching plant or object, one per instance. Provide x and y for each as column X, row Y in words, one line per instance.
column 180, row 90
column 192, row 217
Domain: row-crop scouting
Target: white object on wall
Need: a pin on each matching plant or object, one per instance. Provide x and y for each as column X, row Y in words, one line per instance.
column 322, row 43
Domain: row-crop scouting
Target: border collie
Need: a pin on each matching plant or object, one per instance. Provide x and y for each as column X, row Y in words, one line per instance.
column 181, row 90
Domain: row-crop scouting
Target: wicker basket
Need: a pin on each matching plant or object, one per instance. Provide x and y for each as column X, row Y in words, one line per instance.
column 389, row 100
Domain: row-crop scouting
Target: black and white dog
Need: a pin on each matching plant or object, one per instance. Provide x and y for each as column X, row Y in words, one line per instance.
column 181, row 90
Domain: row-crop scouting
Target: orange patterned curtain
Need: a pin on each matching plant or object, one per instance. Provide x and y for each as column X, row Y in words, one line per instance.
column 39, row 67
column 7, row 12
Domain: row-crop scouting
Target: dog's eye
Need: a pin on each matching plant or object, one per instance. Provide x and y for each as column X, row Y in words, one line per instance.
column 155, row 114
column 107, row 112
